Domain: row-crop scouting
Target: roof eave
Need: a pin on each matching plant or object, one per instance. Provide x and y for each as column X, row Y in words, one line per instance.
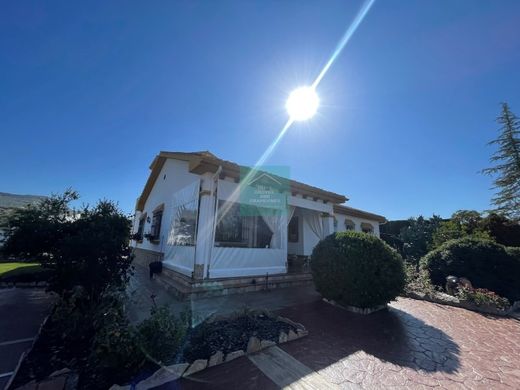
column 345, row 210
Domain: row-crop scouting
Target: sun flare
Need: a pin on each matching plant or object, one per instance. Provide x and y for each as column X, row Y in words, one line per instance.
column 302, row 103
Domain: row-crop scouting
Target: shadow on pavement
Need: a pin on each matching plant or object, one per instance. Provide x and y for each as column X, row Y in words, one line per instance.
column 392, row 336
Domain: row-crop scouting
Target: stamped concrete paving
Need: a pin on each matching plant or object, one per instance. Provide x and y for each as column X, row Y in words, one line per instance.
column 415, row 344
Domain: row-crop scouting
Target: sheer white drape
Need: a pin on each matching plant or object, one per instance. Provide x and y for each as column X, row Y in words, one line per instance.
column 278, row 225
column 315, row 223
column 275, row 222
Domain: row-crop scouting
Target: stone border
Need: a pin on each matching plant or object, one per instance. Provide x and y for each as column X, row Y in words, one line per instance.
column 170, row 373
column 354, row 309
column 449, row 300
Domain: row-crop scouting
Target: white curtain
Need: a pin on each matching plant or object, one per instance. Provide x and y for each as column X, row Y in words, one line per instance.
column 315, row 223
column 275, row 222
column 278, row 223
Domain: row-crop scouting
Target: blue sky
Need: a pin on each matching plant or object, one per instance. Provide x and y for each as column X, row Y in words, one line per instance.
column 91, row 91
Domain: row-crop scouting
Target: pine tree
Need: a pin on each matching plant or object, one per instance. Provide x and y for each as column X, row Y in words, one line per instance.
column 506, row 167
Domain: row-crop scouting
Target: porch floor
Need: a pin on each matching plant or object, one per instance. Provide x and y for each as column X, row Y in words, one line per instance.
column 141, row 289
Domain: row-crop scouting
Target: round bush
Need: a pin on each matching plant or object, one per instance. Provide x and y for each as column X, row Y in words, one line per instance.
column 484, row 262
column 357, row 269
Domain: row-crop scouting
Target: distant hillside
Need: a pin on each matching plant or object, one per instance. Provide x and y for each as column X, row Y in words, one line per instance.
column 9, row 201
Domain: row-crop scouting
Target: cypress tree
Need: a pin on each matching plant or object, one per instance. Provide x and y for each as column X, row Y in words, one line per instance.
column 506, row 165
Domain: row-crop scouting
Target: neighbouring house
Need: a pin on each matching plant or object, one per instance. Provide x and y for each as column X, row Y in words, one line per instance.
column 219, row 227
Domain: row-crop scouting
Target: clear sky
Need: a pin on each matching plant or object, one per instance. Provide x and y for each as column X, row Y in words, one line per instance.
column 91, row 91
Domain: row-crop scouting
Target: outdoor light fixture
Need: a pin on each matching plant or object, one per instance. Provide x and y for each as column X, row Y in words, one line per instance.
column 302, row 103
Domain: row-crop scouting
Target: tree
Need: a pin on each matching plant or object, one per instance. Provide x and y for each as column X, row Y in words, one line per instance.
column 506, row 167
column 94, row 251
column 417, row 237
column 34, row 231
column 90, row 250
column 502, row 230
column 462, row 223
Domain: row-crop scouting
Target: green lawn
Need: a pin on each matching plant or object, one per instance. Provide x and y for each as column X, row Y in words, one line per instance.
column 22, row 272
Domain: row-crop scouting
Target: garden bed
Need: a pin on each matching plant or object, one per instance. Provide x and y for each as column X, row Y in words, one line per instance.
column 233, row 333
column 214, row 341
column 450, row 300
column 222, row 339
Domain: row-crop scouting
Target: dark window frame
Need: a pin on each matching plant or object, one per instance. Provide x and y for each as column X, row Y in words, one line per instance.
column 155, row 229
column 350, row 225
column 293, row 236
column 140, row 228
column 367, row 228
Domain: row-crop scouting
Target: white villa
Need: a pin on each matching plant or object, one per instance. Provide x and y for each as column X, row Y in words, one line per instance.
column 193, row 217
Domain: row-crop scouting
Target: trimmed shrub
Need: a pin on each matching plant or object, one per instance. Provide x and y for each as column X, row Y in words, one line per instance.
column 161, row 335
column 484, row 262
column 357, row 269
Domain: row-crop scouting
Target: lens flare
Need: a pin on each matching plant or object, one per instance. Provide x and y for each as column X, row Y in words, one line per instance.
column 303, row 110
column 302, row 103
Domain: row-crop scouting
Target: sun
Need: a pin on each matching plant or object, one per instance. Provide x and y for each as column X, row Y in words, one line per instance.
column 302, row 103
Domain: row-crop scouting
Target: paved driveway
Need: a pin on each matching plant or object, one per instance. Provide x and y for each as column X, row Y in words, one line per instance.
column 414, row 344
column 21, row 313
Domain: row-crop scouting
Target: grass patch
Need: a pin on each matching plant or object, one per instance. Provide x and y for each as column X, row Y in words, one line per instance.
column 17, row 267
column 23, row 272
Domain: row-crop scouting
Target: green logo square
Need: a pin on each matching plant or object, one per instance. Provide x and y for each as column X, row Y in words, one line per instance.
column 264, row 190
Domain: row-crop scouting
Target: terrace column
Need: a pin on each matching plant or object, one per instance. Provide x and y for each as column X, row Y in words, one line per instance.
column 205, row 226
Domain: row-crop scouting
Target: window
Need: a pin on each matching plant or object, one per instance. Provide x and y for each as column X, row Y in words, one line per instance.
column 140, row 230
column 335, row 224
column 367, row 228
column 245, row 226
column 293, row 233
column 155, row 230
column 350, row 225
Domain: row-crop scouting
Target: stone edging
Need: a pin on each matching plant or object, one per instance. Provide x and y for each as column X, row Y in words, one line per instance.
column 170, row 373
column 445, row 299
column 354, row 309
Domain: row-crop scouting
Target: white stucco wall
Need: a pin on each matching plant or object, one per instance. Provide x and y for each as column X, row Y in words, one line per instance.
column 174, row 176
column 341, row 223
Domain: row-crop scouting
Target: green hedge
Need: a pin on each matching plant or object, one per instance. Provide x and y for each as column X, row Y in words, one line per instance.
column 357, row 269
column 484, row 262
